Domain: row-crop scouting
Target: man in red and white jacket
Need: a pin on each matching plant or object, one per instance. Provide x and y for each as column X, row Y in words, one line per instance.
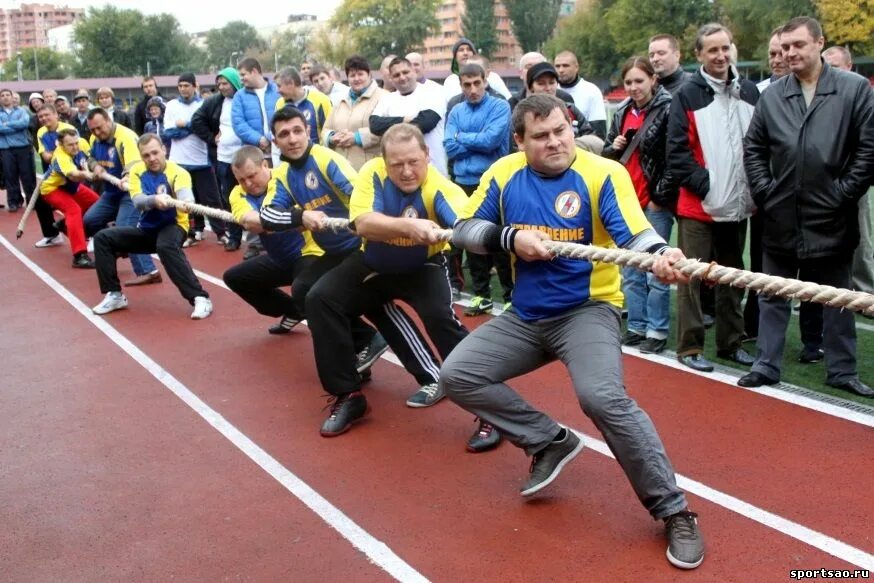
column 709, row 117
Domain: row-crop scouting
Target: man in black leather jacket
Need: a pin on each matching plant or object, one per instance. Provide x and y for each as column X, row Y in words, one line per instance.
column 809, row 157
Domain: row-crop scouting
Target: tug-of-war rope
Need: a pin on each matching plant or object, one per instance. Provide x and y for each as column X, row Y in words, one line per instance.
column 711, row 273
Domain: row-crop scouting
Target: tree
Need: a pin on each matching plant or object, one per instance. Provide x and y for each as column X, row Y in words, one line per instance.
column 631, row 23
column 751, row 22
column 532, row 21
column 332, row 46
column 480, row 25
column 119, row 43
column 225, row 45
column 382, row 27
column 585, row 34
column 848, row 22
column 284, row 49
column 50, row 63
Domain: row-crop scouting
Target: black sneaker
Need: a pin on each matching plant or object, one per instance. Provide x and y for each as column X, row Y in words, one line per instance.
column 232, row 245
column 82, row 261
column 549, row 461
column 61, row 225
column 366, row 358
column 632, row 338
column 251, row 251
column 485, row 437
column 284, row 326
column 685, row 543
column 653, row 345
column 345, row 410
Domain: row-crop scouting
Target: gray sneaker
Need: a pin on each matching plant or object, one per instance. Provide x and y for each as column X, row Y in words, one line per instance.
column 685, row 543
column 549, row 461
column 427, row 395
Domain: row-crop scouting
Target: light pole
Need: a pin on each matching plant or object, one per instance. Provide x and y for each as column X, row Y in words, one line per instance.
column 20, row 64
column 233, row 57
column 35, row 64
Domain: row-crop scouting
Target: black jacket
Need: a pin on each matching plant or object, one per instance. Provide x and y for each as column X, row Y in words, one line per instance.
column 809, row 166
column 122, row 118
column 651, row 148
column 206, row 122
column 675, row 80
column 81, row 127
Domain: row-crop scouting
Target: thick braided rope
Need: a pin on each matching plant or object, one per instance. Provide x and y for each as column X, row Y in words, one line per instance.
column 768, row 285
column 189, row 207
column 29, row 209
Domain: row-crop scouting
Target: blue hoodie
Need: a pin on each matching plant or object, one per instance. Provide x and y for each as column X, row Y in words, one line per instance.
column 247, row 117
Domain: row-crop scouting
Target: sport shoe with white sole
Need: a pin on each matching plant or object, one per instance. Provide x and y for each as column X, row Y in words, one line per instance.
column 547, row 463
column 112, row 302
column 427, row 395
column 50, row 241
column 685, row 543
column 202, row 308
column 365, row 359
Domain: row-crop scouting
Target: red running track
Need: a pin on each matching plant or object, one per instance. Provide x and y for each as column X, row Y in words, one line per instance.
column 107, row 474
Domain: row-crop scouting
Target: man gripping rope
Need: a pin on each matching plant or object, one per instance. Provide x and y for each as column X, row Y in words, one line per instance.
column 162, row 229
column 564, row 309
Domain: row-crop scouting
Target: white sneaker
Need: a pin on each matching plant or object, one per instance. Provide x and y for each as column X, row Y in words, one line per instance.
column 223, row 240
column 189, row 242
column 202, row 308
column 90, row 244
column 50, row 241
column 198, row 236
column 112, row 302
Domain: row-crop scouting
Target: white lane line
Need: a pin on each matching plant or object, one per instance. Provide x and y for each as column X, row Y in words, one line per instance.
column 799, row 532
column 376, row 551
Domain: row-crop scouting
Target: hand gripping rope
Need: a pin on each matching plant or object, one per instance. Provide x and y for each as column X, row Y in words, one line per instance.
column 189, row 207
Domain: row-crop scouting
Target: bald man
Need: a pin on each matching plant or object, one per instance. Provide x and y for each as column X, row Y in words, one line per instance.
column 587, row 96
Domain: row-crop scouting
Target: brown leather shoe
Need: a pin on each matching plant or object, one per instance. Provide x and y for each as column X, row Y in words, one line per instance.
column 145, row 279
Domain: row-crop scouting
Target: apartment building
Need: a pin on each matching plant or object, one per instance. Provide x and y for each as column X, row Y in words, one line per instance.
column 29, row 25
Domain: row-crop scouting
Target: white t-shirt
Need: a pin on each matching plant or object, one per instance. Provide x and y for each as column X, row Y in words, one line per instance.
column 190, row 150
column 396, row 105
column 588, row 99
column 229, row 143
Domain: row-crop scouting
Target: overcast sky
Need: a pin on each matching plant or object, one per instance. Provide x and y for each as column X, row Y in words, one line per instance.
column 195, row 16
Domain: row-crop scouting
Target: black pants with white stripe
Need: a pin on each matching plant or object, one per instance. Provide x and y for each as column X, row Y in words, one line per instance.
column 352, row 289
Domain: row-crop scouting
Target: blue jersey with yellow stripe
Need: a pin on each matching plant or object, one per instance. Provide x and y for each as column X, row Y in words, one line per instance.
column 47, row 140
column 315, row 106
column 284, row 247
column 593, row 202
column 169, row 181
column 117, row 153
column 438, row 200
column 320, row 181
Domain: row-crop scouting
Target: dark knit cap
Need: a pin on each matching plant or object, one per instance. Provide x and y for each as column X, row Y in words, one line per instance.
column 187, row 78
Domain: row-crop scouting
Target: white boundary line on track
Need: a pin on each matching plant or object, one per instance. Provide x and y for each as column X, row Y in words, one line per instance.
column 376, row 551
column 799, row 532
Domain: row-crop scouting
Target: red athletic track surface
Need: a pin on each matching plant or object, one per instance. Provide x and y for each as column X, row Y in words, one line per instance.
column 105, row 474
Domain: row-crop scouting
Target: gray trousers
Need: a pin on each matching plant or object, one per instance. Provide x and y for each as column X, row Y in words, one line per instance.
column 863, row 258
column 586, row 340
column 838, row 326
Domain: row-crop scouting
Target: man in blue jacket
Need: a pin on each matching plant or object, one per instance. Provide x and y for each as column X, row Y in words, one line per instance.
column 475, row 137
column 253, row 106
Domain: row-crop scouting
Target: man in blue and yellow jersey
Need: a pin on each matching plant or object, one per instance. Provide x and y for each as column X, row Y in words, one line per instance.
column 47, row 135
column 564, row 309
column 114, row 151
column 162, row 229
column 315, row 105
column 64, row 190
column 258, row 280
column 313, row 183
column 397, row 203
